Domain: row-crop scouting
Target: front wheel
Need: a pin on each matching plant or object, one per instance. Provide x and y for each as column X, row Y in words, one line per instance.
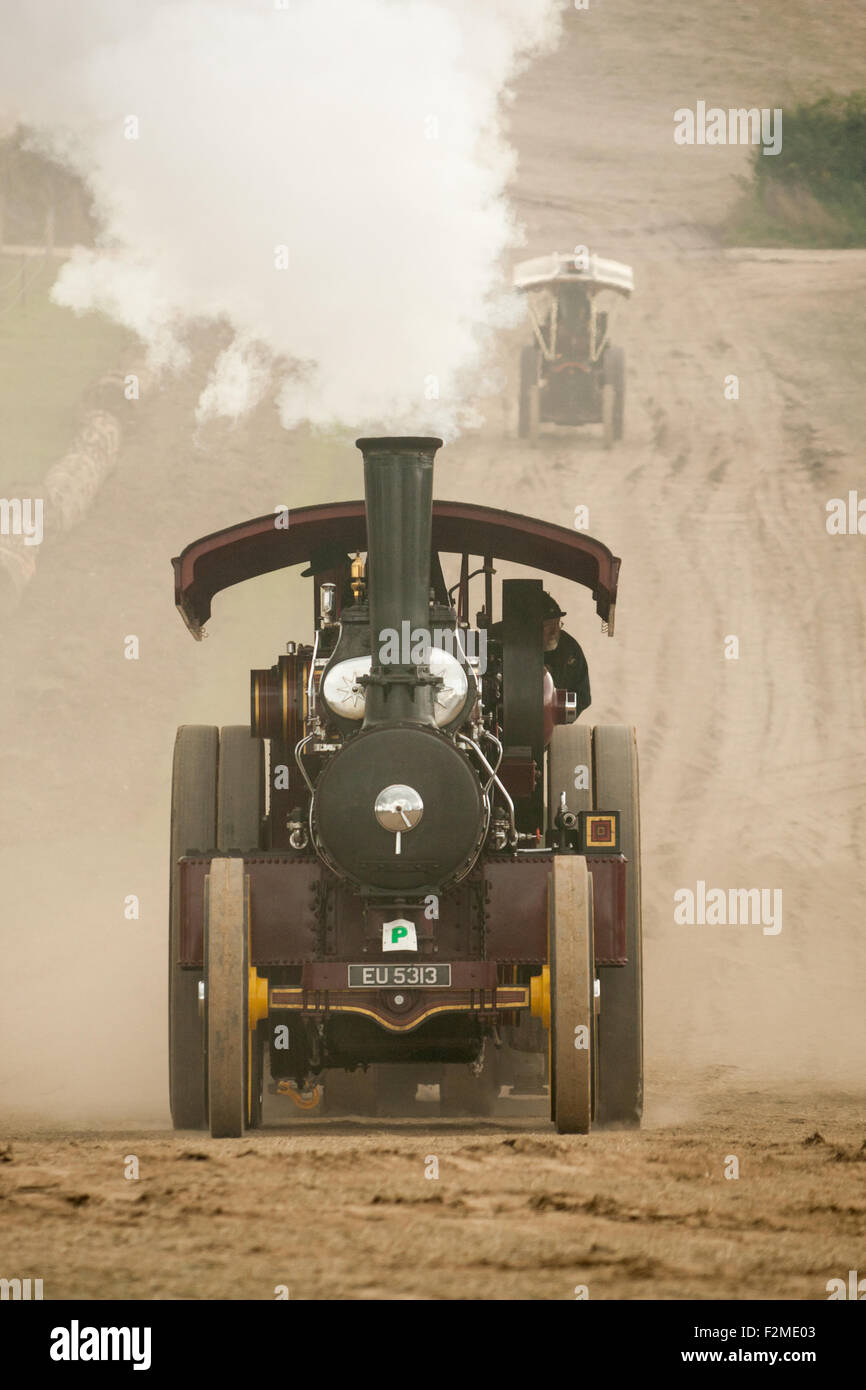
column 572, row 996
column 226, row 999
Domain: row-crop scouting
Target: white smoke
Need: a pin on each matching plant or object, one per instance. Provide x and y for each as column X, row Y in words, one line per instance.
column 358, row 143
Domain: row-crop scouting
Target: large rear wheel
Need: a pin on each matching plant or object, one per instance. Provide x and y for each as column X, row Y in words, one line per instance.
column 572, row 996
column 569, row 770
column 621, row 1018
column 241, row 790
column 193, row 827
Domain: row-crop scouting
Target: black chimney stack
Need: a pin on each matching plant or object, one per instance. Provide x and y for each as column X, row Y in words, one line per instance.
column 398, row 487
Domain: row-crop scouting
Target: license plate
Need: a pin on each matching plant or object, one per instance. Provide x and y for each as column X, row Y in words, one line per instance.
column 388, row 976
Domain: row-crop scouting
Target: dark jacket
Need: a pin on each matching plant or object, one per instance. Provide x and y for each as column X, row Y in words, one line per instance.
column 567, row 664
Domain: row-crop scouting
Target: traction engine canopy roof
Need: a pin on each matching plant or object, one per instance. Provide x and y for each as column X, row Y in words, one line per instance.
column 543, row 271
column 251, row 548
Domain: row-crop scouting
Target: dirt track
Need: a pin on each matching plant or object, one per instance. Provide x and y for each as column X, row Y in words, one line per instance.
column 753, row 771
column 344, row 1209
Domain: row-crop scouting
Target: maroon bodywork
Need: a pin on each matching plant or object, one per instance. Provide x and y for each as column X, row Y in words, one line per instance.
column 301, row 916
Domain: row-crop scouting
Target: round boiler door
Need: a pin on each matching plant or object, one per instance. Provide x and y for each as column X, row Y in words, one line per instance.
column 399, row 808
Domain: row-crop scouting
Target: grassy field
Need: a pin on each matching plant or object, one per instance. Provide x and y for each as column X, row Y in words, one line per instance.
column 813, row 194
column 48, row 358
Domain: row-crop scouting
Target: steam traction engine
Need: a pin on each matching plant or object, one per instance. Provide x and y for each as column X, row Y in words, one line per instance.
column 440, row 867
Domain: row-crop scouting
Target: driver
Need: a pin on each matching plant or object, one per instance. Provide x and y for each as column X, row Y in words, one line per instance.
column 573, row 322
column 563, row 656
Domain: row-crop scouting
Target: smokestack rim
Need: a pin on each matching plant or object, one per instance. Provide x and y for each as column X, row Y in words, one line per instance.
column 399, row 444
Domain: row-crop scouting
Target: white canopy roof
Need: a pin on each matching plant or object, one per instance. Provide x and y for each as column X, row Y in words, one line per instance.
column 542, row 270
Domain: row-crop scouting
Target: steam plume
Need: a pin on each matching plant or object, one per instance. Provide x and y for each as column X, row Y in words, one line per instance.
column 328, row 177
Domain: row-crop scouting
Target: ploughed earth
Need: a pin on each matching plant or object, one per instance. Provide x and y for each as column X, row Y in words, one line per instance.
column 740, row 1195
column 753, row 769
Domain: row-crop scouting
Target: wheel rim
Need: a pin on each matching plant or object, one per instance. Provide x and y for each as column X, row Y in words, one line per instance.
column 571, row 996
